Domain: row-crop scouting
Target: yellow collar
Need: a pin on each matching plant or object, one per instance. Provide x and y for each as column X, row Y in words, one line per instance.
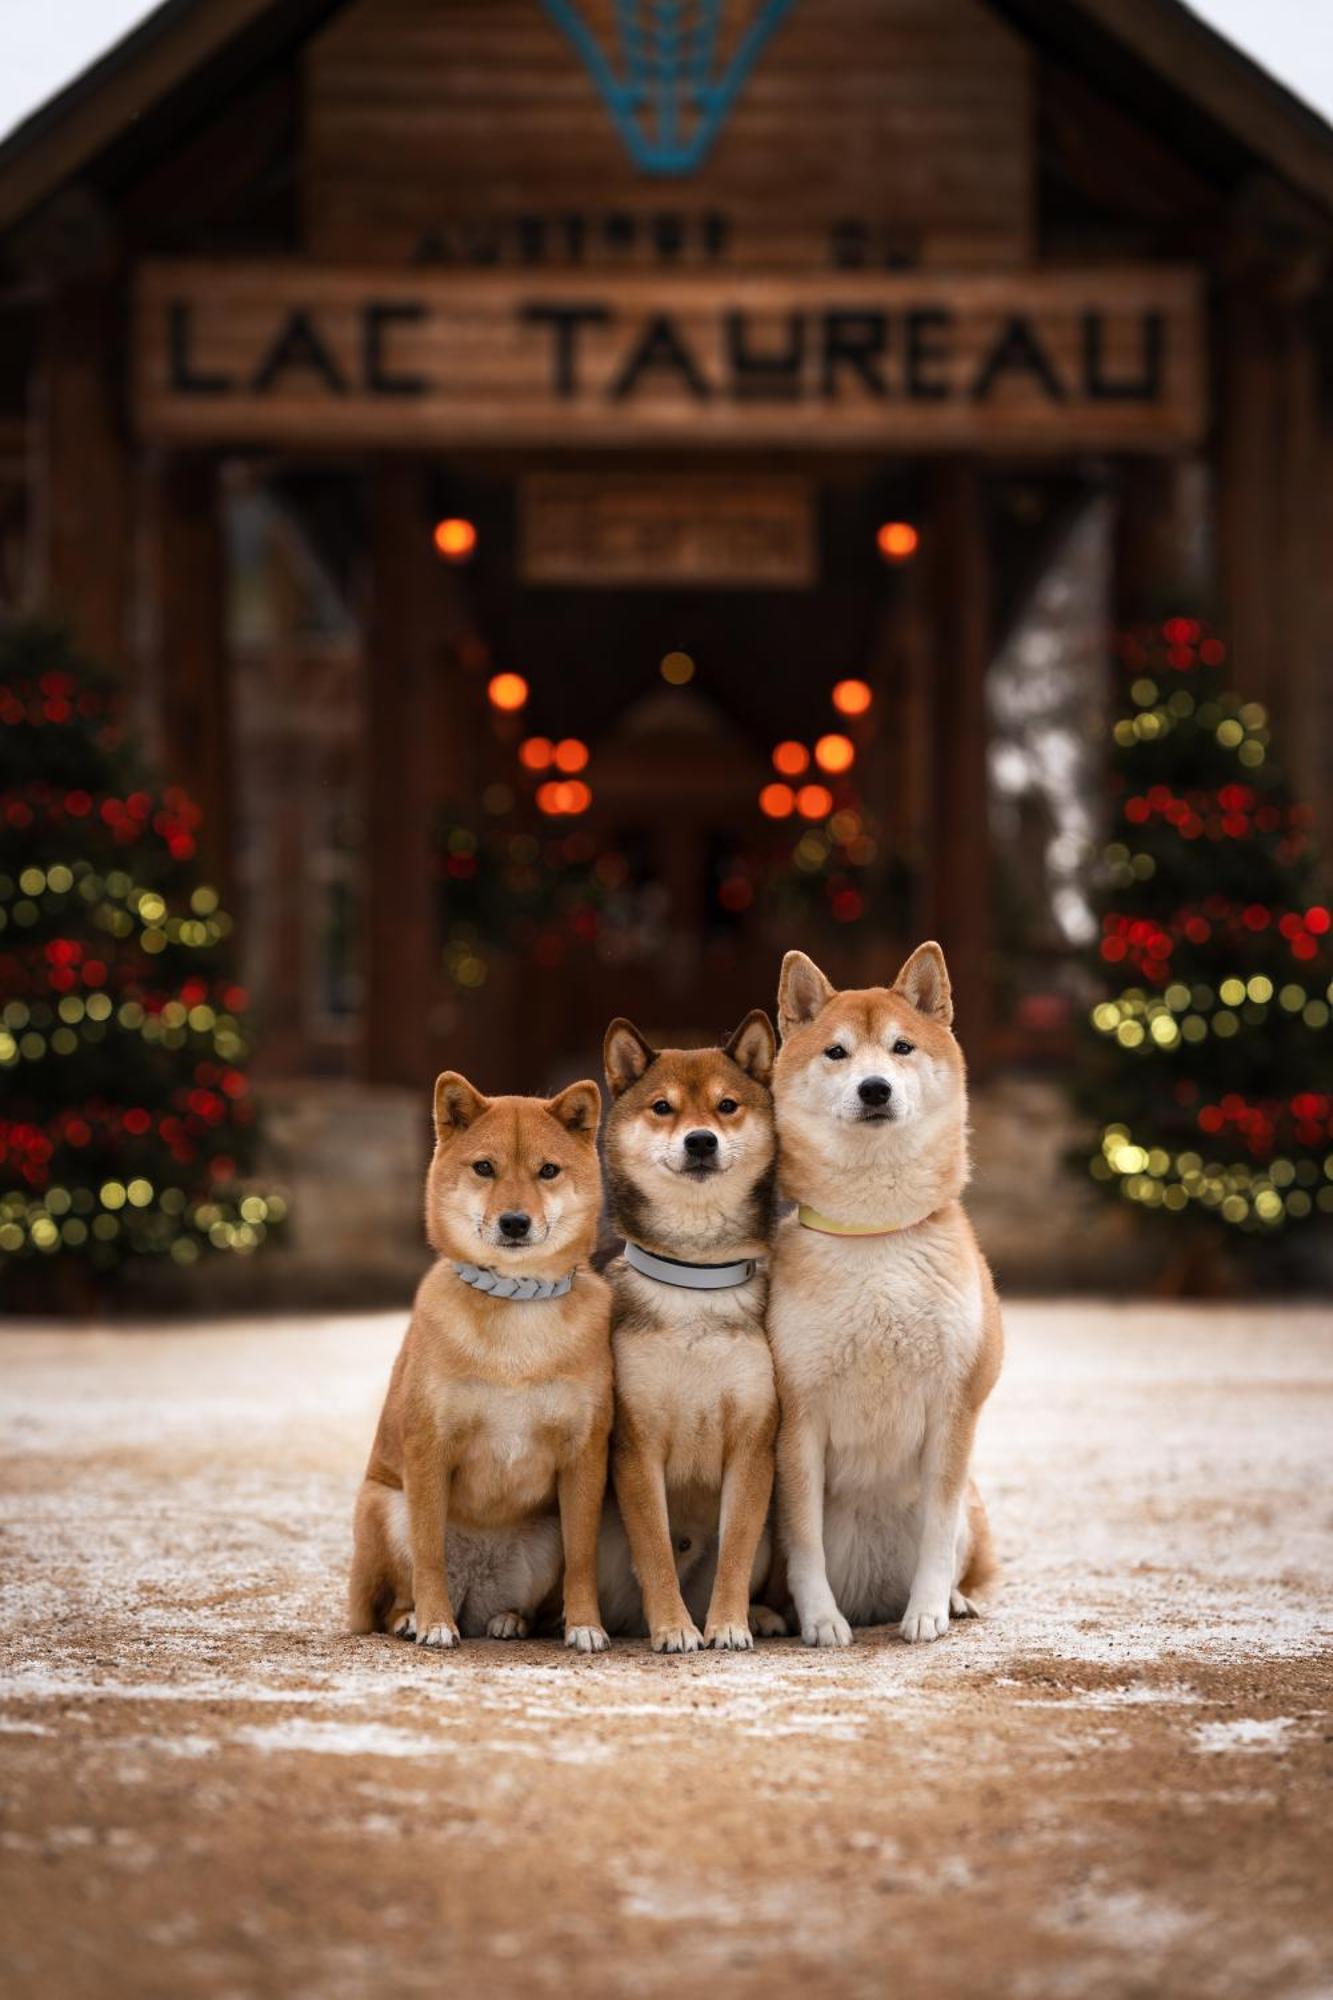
column 810, row 1218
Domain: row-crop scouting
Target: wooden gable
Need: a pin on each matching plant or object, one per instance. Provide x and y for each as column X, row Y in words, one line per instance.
column 868, row 133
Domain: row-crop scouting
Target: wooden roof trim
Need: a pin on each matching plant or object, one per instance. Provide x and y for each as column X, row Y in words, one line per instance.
column 1238, row 94
column 181, row 36
column 172, row 43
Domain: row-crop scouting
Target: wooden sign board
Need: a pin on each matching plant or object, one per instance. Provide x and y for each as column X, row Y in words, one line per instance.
column 704, row 529
column 1104, row 359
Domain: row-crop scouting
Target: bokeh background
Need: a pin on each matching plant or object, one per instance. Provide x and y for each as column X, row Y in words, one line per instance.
column 516, row 513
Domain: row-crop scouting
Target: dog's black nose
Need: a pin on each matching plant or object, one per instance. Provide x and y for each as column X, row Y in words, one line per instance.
column 874, row 1091
column 514, row 1225
column 700, row 1145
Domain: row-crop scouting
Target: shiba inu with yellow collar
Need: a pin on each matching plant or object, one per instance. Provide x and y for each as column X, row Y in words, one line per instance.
column 487, row 1476
column 883, row 1318
column 690, row 1158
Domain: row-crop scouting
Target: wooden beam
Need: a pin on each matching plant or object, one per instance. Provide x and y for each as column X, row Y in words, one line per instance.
column 400, row 930
column 80, row 520
column 1271, row 527
column 188, row 681
column 959, row 851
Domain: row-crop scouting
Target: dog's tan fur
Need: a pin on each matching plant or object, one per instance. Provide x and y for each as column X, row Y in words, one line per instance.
column 488, row 1471
column 886, row 1346
column 696, row 1407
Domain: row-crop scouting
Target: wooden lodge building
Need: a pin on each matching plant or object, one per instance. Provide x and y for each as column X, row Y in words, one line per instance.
column 662, row 369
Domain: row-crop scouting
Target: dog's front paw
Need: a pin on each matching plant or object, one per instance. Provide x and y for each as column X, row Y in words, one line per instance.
column 507, row 1625
column 828, row 1629
column 766, row 1623
column 962, row 1607
column 676, row 1639
column 924, row 1622
column 727, row 1638
column 441, row 1636
column 586, row 1638
column 405, row 1625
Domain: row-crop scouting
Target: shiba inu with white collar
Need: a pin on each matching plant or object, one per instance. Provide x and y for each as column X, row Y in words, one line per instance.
column 883, row 1318
column 690, row 1159
column 488, row 1471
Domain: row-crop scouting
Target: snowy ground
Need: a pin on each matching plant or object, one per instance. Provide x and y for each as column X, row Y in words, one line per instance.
column 1117, row 1784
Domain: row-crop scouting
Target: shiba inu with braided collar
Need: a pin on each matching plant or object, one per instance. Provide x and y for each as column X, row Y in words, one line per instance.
column 883, row 1318
column 690, row 1160
column 484, row 1490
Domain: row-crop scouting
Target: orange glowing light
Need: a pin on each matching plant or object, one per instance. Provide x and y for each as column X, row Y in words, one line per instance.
column 897, row 541
column 535, row 753
column 791, row 759
column 507, row 691
column 777, row 801
column 563, row 796
column 852, row 697
column 835, row 753
column 570, row 754
column 814, row 801
column 455, row 540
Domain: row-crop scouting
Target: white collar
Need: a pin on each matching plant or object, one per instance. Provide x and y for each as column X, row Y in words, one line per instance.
column 482, row 1279
column 693, row 1277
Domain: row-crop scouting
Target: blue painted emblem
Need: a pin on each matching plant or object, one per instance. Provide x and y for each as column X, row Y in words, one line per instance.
column 666, row 85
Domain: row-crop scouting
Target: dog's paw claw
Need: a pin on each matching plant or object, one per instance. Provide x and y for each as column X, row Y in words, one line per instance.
column 962, row 1607
column 832, row 1630
column 507, row 1625
column 766, row 1623
column 920, row 1627
column 405, row 1626
column 440, row 1636
column 586, row 1638
column 728, row 1638
column 677, row 1639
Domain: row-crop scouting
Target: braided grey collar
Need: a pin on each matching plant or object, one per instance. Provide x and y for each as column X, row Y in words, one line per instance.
column 693, row 1277
column 482, row 1279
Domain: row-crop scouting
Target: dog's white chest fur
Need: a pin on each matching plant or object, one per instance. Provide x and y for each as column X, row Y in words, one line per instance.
column 510, row 1441
column 700, row 1360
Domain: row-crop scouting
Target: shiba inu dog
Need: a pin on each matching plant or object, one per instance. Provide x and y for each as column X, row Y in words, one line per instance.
column 690, row 1170
column 488, row 1471
column 883, row 1317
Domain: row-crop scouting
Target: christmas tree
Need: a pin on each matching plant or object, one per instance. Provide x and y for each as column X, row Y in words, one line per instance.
column 126, row 1116
column 1210, row 1080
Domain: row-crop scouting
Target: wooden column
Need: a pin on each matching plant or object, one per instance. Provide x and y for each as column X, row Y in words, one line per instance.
column 187, row 671
column 400, row 931
column 1271, row 511
column 81, row 513
column 958, row 859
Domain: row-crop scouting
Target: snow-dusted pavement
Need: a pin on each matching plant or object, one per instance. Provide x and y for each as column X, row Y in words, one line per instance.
column 1118, row 1783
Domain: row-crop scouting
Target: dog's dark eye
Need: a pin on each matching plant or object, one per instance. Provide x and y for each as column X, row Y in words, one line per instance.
column 548, row 1172
column 836, row 1052
column 484, row 1168
column 727, row 1106
column 662, row 1108
column 902, row 1048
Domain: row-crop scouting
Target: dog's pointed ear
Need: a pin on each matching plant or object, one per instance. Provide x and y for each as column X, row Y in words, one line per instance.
column 803, row 992
column 457, row 1104
column 924, row 983
column 578, row 1107
column 626, row 1056
column 754, row 1046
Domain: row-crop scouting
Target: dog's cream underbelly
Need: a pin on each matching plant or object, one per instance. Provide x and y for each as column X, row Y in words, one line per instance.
column 491, row 1570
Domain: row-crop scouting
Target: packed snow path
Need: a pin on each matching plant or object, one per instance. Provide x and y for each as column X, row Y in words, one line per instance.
column 1116, row 1784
